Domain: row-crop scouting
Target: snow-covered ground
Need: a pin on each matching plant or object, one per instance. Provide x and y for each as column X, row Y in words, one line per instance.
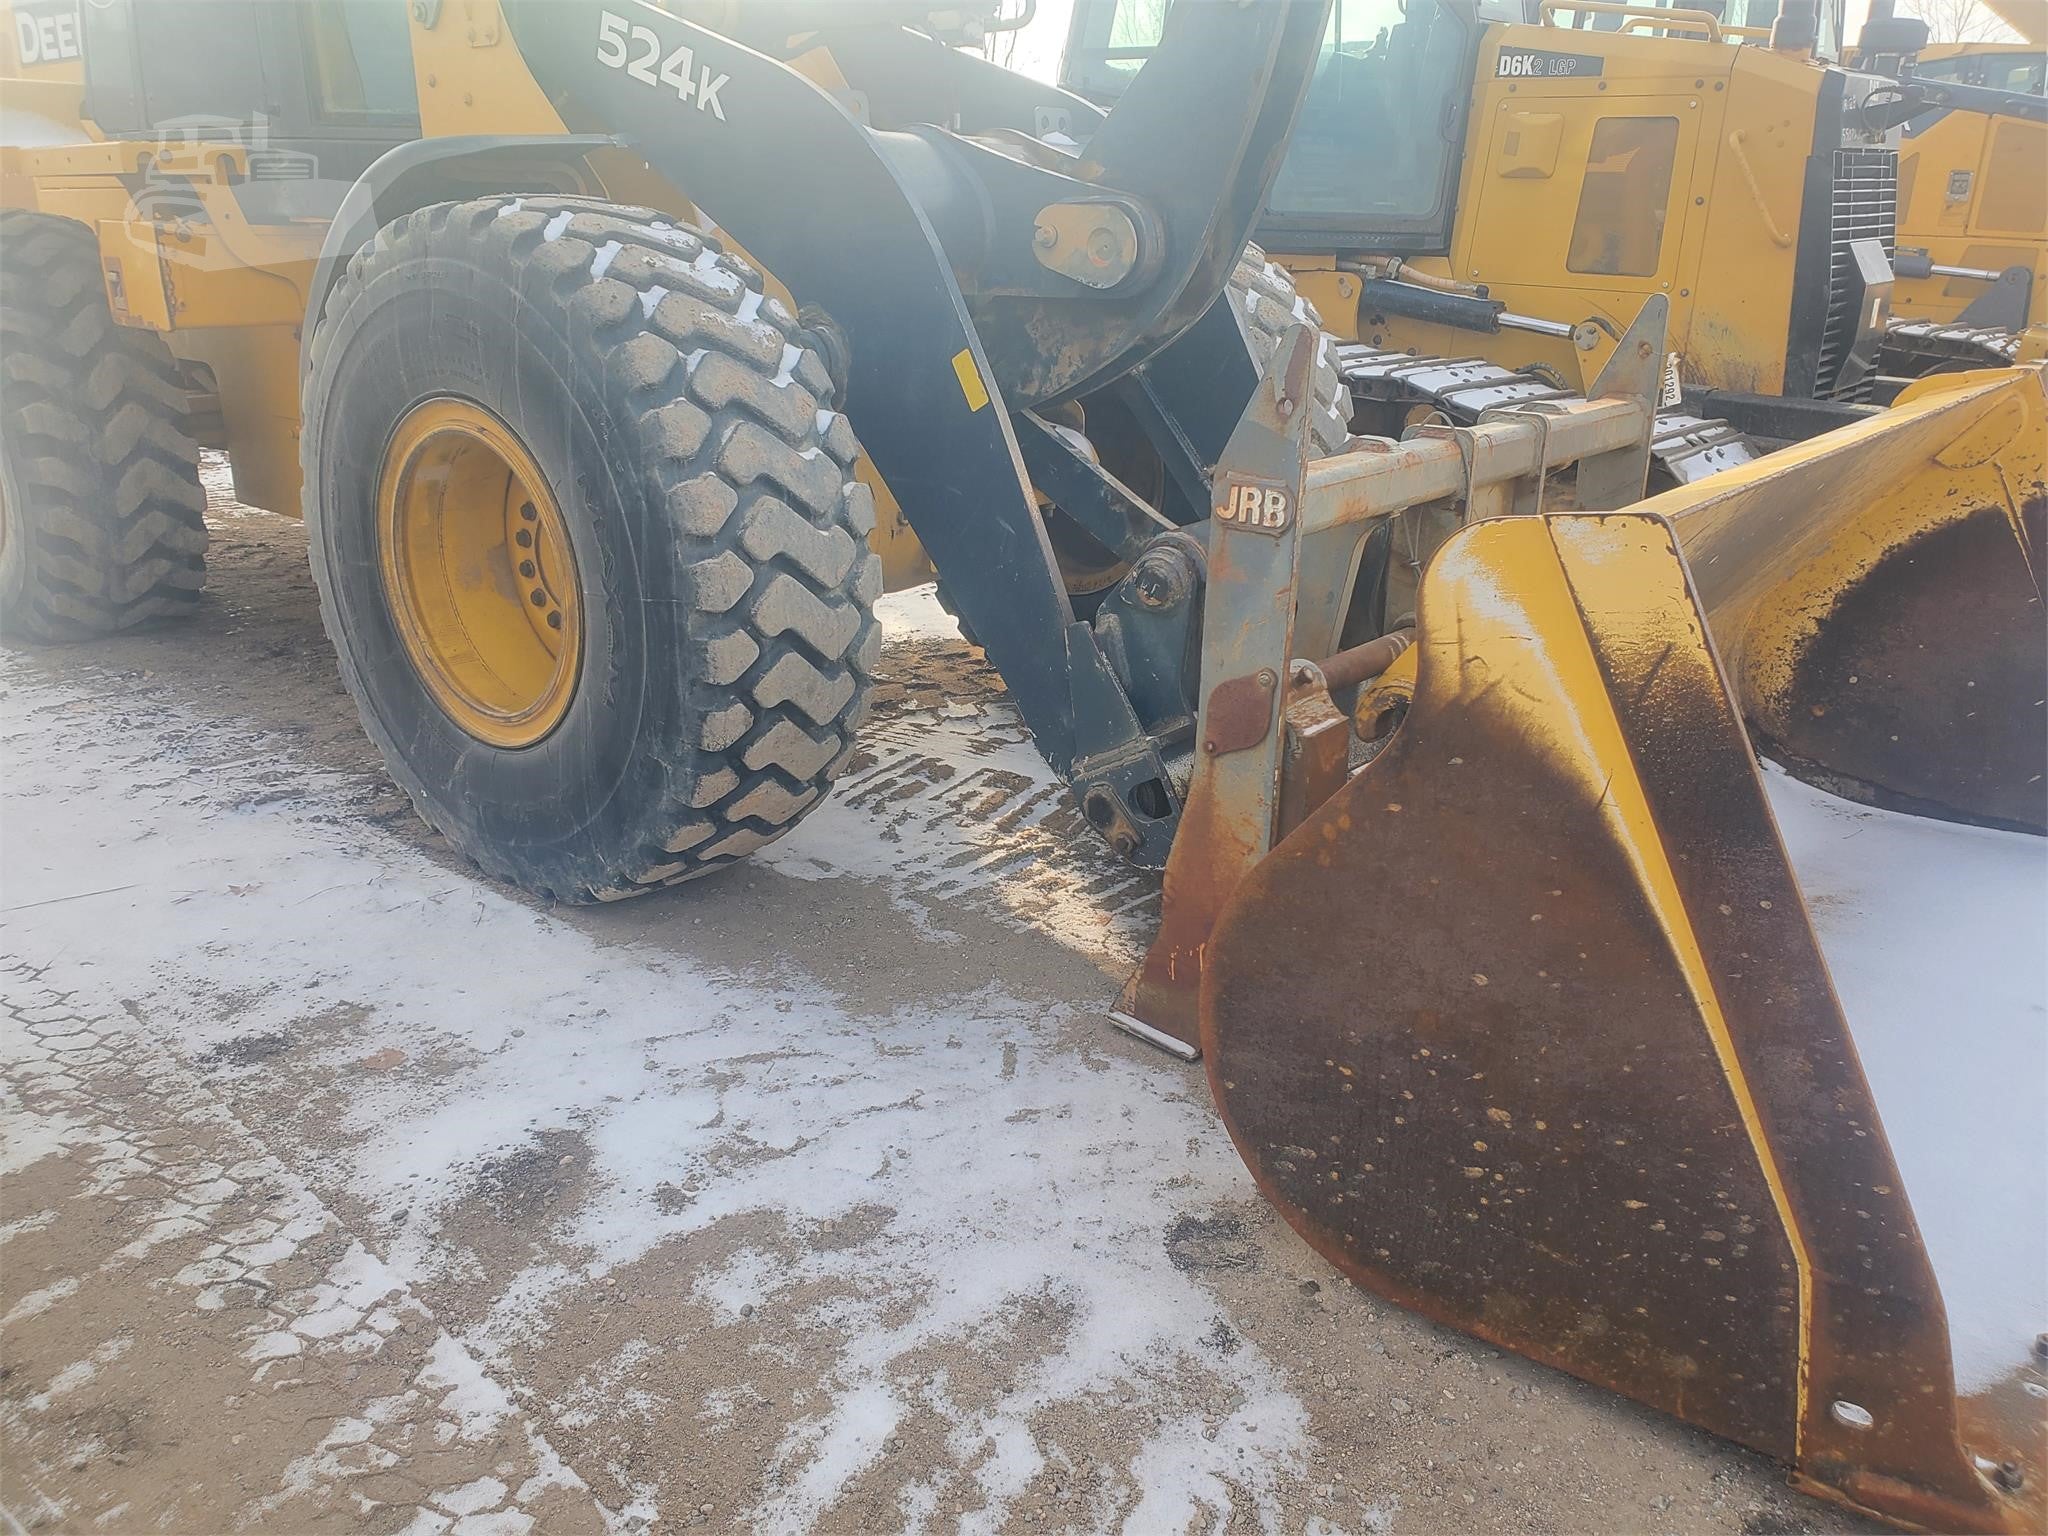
column 342, row 1186
column 1017, row 1156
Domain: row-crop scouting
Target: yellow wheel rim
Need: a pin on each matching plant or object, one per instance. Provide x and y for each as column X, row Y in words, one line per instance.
column 479, row 572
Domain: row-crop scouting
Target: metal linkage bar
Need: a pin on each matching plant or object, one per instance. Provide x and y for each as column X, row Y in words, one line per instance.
column 1269, row 738
column 1442, row 462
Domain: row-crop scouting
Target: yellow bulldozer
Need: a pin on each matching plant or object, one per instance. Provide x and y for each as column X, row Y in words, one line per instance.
column 1973, row 184
column 1549, row 174
column 618, row 356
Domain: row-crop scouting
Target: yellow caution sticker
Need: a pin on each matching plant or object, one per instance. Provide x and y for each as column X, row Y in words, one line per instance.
column 970, row 379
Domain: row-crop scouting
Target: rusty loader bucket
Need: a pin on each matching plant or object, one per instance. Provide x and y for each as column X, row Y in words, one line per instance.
column 1522, row 1010
column 1885, row 638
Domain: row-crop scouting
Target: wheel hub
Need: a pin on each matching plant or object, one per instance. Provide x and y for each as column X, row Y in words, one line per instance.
column 479, row 572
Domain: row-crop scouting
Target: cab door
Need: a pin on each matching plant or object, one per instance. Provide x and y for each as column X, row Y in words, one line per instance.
column 1582, row 184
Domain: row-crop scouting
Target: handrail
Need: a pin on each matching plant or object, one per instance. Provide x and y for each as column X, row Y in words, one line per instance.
column 1778, row 236
column 1702, row 22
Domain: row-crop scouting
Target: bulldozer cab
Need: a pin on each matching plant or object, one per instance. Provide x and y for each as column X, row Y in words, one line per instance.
column 1973, row 187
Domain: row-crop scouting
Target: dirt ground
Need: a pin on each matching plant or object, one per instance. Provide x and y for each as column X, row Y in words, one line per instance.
column 346, row 1191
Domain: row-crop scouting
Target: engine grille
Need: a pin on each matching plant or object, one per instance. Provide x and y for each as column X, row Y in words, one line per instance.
column 1865, row 207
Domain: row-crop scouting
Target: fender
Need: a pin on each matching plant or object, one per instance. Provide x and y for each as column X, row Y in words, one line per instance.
column 437, row 171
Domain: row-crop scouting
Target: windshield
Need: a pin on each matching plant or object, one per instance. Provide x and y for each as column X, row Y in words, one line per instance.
column 1375, row 150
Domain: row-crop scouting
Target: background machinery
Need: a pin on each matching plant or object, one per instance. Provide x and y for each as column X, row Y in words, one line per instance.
column 617, row 357
column 1552, row 174
column 1973, row 185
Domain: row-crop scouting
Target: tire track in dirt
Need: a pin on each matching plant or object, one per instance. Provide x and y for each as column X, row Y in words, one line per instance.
column 257, row 1308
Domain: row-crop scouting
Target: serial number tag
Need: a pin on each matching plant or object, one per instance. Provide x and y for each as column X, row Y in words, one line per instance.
column 1264, row 506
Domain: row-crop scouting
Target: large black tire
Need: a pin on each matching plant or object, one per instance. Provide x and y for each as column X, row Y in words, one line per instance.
column 1268, row 306
column 707, row 489
column 104, row 522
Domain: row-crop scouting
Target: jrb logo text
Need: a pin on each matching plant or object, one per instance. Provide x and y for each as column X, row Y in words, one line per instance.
column 1266, row 508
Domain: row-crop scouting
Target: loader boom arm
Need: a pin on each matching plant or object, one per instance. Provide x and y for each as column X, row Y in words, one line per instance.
column 1187, row 156
column 949, row 264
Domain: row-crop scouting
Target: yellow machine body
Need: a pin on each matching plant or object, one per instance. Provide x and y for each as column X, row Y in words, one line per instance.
column 1973, row 190
column 1507, row 989
column 231, row 296
column 1605, row 152
column 1676, row 170
column 42, row 73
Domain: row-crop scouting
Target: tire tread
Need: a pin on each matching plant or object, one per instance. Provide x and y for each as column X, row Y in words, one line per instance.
column 112, row 521
column 1269, row 306
column 754, row 471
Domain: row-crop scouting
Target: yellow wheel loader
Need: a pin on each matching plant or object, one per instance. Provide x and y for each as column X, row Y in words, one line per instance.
column 617, row 356
column 1529, row 183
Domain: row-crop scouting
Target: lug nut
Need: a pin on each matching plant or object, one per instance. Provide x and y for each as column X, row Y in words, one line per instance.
column 540, row 599
column 526, row 511
column 554, row 621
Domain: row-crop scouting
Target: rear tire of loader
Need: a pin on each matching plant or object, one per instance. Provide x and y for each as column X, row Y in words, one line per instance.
column 688, row 495
column 102, row 518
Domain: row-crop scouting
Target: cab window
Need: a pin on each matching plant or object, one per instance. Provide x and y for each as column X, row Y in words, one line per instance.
column 1109, row 42
column 1619, row 230
column 1375, row 138
column 1375, row 149
column 359, row 62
